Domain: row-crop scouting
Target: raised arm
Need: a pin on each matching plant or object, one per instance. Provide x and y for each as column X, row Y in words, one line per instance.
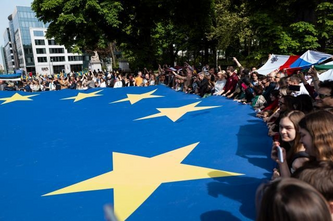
column 178, row 76
column 314, row 74
column 237, row 62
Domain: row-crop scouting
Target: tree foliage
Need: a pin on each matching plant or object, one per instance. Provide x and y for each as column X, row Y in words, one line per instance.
column 150, row 32
column 231, row 23
column 325, row 25
column 144, row 29
column 277, row 26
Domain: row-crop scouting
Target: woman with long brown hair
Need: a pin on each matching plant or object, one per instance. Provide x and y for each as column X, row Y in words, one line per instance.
column 316, row 131
column 293, row 150
column 290, row 199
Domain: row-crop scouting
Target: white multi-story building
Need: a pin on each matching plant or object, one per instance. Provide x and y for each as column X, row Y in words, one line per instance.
column 49, row 57
column 26, row 47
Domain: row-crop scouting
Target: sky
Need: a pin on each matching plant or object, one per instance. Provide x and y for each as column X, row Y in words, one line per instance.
column 7, row 8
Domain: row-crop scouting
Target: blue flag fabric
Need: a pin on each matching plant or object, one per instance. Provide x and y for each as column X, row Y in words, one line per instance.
column 11, row 77
column 151, row 152
column 309, row 58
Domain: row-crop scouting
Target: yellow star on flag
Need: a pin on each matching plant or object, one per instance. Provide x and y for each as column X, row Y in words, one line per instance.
column 81, row 96
column 17, row 97
column 135, row 178
column 175, row 113
column 134, row 98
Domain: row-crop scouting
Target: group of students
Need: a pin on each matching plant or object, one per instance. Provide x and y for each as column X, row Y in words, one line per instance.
column 205, row 82
column 297, row 109
column 301, row 126
column 302, row 185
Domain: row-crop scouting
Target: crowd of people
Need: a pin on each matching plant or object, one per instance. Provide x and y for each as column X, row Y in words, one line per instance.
column 297, row 109
column 205, row 82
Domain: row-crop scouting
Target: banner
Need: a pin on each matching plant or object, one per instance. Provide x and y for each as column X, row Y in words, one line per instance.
column 10, row 77
column 277, row 62
column 310, row 58
column 149, row 152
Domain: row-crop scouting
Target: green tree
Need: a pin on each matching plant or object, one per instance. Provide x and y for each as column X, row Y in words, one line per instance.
column 134, row 25
column 305, row 35
column 324, row 12
column 87, row 24
column 229, row 21
column 257, row 28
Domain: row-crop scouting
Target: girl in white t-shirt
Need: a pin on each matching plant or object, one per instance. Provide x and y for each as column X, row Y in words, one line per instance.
column 220, row 83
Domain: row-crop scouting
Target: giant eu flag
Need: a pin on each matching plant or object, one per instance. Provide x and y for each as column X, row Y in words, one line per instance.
column 150, row 152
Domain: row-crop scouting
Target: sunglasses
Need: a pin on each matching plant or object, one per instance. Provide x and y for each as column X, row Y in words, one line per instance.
column 322, row 96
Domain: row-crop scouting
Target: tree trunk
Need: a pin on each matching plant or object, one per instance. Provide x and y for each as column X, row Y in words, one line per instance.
column 112, row 54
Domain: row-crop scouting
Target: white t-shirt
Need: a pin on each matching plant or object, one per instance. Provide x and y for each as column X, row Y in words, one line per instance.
column 103, row 84
column 219, row 85
column 118, row 84
column 302, row 90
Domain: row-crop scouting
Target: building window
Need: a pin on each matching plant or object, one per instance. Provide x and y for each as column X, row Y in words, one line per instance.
column 75, row 58
column 76, row 67
column 39, row 42
column 39, row 33
column 56, row 50
column 40, row 51
column 28, row 50
column 58, row 68
column 52, row 42
column 29, row 60
column 57, row 59
column 41, row 59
